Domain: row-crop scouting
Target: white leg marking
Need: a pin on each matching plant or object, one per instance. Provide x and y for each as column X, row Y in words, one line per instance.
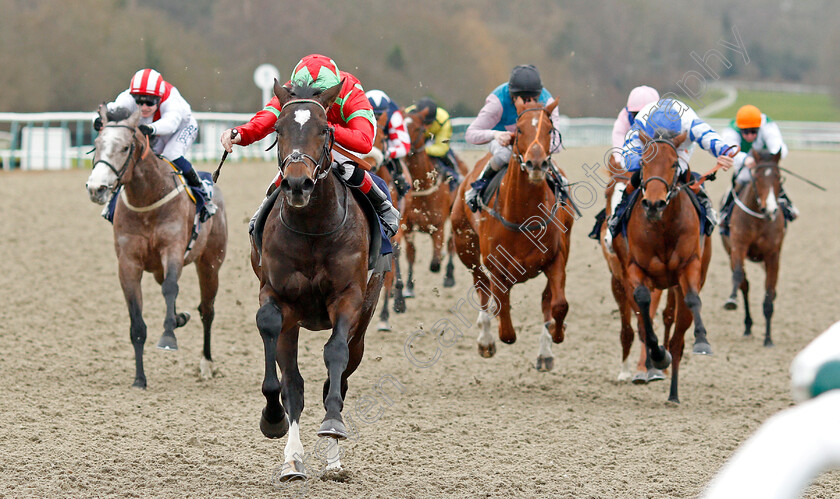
column 624, row 373
column 333, row 455
column 544, row 351
column 206, row 368
column 483, row 322
column 294, row 449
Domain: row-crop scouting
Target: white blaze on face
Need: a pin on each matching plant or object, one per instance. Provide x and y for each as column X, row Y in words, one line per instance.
column 771, row 203
column 534, row 121
column 302, row 116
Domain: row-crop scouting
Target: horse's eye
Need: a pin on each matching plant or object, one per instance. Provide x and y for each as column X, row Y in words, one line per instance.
column 125, row 148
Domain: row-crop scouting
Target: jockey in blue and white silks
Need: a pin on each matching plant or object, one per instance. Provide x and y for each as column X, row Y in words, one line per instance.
column 674, row 117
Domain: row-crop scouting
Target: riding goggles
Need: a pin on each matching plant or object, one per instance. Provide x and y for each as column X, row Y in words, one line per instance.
column 146, row 100
column 749, row 131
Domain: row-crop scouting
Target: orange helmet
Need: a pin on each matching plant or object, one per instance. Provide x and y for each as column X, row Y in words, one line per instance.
column 748, row 117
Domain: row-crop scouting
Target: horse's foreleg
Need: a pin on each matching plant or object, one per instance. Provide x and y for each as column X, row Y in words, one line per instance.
column 690, row 287
column 291, row 387
column 410, row 253
column 399, row 298
column 545, row 358
column 130, row 276
column 677, row 344
column 273, row 422
column 344, row 313
column 208, row 282
column 385, row 314
column 437, row 247
column 556, row 273
column 626, row 333
column 169, row 288
column 736, row 259
column 659, row 356
column 771, row 268
column 481, row 284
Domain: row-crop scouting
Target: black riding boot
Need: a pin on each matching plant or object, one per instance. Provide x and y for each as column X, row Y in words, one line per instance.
column 599, row 221
column 200, row 189
column 711, row 219
column 788, row 209
column 395, row 168
column 477, row 187
column 726, row 212
column 389, row 215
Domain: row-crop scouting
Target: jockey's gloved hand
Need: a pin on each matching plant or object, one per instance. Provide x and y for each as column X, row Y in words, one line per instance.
column 146, row 130
column 97, row 123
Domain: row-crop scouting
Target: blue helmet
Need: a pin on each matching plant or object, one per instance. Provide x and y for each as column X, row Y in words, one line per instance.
column 380, row 101
column 664, row 119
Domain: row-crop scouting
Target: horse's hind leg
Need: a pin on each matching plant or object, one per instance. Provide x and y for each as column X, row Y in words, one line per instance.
column 169, row 287
column 291, row 386
column 771, row 267
column 130, row 276
column 208, row 282
column 626, row 333
column 399, row 298
column 437, row 248
column 449, row 278
column 385, row 314
column 410, row 254
column 273, row 422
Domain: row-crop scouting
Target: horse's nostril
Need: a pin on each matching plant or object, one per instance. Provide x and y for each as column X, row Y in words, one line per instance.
column 645, row 203
column 308, row 184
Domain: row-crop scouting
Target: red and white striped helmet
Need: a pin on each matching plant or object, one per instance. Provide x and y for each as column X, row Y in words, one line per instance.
column 146, row 82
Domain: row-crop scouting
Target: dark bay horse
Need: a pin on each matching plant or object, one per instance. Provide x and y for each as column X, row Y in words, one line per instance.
column 664, row 249
column 153, row 222
column 527, row 236
column 393, row 284
column 645, row 372
column 313, row 272
column 756, row 232
column 428, row 204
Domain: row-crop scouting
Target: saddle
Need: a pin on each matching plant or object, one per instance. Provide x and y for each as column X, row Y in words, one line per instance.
column 380, row 247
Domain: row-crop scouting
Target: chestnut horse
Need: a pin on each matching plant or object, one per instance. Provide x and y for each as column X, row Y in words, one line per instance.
column 756, row 231
column 153, row 223
column 393, row 284
column 428, row 204
column 645, row 372
column 528, row 235
column 664, row 249
column 313, row 272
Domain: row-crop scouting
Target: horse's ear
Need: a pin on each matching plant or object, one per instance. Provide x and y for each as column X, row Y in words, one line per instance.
column 645, row 138
column 519, row 103
column 103, row 113
column 550, row 108
column 133, row 119
column 679, row 139
column 327, row 97
column 281, row 92
column 777, row 157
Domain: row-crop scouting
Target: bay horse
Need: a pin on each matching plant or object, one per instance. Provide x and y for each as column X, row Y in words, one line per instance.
column 645, row 372
column 153, row 223
column 527, row 236
column 664, row 249
column 756, row 232
column 393, row 283
column 313, row 273
column 428, row 204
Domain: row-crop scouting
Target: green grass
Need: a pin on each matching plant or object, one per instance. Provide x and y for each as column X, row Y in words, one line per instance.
column 782, row 106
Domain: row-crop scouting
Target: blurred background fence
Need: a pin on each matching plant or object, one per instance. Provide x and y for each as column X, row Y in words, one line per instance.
column 37, row 141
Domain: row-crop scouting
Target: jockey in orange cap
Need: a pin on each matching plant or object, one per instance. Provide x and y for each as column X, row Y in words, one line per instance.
column 753, row 131
column 352, row 117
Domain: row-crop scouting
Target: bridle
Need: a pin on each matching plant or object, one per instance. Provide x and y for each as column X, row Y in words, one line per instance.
column 121, row 171
column 322, row 165
column 515, row 150
column 673, row 189
column 742, row 205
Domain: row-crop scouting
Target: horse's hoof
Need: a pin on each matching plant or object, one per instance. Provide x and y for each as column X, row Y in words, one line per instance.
column 399, row 304
column 181, row 319
column 434, row 267
column 768, row 343
column 545, row 364
column 640, row 378
column 337, row 474
column 654, row 375
column 664, row 362
column 408, row 292
column 333, row 428
column 167, row 342
column 674, row 400
column 702, row 348
column 448, row 282
column 383, row 326
column 747, row 332
column 731, row 304
column 205, row 367
column 292, row 471
column 487, row 351
column 139, row 383
column 274, row 430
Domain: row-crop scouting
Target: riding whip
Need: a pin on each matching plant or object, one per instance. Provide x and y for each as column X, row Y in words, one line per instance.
column 233, row 134
column 800, row 177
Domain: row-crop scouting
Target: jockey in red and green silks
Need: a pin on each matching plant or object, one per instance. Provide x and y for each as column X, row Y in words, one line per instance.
column 352, row 118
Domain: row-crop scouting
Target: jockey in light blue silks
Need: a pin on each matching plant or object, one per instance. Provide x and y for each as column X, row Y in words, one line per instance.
column 669, row 118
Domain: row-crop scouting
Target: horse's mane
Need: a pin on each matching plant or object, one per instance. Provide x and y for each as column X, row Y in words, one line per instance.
column 301, row 90
column 118, row 114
